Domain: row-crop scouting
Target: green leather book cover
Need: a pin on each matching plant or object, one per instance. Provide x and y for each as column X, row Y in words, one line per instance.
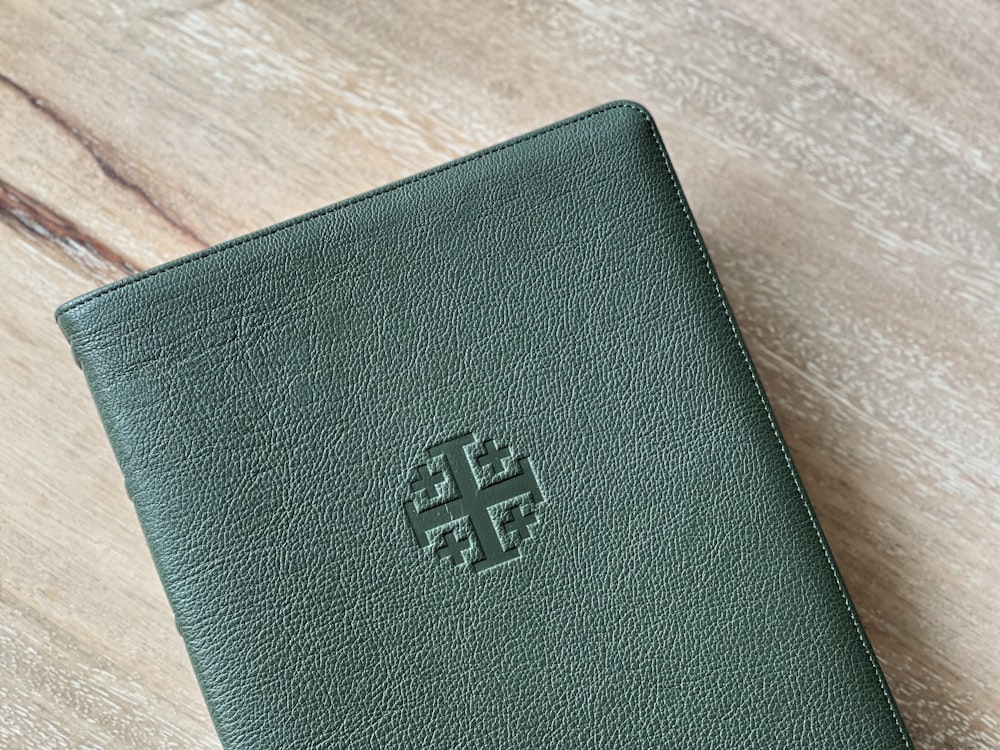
column 479, row 460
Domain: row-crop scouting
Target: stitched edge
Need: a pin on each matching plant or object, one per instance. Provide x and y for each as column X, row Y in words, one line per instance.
column 774, row 427
column 320, row 213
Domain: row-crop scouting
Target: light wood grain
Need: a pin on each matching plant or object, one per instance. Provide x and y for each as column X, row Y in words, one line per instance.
column 843, row 162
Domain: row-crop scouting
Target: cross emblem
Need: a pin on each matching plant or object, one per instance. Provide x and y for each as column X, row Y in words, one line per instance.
column 471, row 500
column 426, row 481
column 494, row 457
column 453, row 548
column 520, row 523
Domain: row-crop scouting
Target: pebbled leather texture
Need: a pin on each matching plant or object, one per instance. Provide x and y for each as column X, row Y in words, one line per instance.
column 521, row 362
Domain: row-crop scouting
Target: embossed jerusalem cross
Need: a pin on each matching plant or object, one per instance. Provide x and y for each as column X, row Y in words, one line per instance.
column 470, row 498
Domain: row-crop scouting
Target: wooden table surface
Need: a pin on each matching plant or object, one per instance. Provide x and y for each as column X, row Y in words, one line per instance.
column 843, row 163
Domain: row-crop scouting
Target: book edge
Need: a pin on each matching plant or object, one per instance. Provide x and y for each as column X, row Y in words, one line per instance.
column 85, row 299
column 824, row 544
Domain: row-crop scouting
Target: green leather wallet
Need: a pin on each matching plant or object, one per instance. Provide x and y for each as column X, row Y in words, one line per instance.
column 479, row 460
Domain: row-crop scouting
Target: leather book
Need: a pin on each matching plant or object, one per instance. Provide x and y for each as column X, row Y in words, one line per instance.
column 479, row 460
